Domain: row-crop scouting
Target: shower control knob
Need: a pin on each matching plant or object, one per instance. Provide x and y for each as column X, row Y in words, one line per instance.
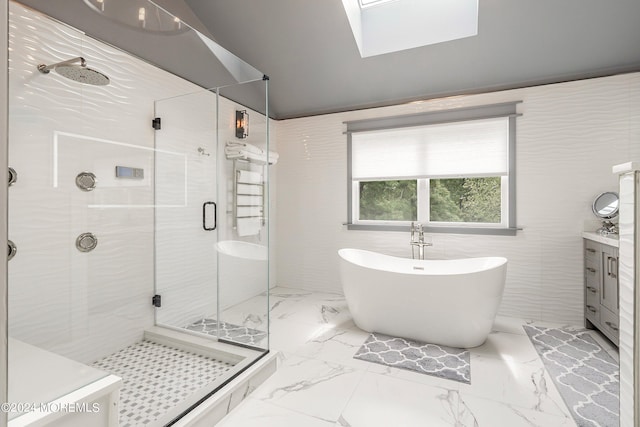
column 12, row 249
column 86, row 242
column 12, row 175
column 86, row 181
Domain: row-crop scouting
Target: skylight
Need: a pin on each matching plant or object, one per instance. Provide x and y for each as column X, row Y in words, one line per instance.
column 395, row 25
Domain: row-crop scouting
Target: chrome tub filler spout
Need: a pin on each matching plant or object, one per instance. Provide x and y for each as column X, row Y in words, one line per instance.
column 417, row 241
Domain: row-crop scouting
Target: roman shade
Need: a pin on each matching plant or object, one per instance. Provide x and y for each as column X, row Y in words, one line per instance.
column 473, row 148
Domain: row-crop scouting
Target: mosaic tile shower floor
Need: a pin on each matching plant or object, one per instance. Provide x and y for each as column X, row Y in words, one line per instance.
column 156, row 378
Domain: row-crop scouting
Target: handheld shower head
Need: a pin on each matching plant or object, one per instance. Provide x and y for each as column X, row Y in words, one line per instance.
column 76, row 72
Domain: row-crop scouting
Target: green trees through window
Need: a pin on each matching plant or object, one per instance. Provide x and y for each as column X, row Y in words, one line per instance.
column 457, row 200
column 389, row 200
column 476, row 200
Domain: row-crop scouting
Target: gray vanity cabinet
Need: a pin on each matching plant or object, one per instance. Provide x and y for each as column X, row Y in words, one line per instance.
column 609, row 297
column 601, row 288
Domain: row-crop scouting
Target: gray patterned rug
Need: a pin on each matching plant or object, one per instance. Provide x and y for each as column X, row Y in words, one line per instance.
column 229, row 331
column 587, row 378
column 430, row 359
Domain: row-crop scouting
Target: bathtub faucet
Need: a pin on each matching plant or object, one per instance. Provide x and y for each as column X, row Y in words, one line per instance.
column 419, row 243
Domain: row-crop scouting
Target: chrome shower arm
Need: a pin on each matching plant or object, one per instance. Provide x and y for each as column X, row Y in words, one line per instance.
column 46, row 68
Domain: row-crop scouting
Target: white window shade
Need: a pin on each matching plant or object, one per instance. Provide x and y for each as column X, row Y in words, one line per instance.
column 471, row 148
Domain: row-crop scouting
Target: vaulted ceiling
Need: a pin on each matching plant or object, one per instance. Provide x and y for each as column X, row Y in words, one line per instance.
column 307, row 49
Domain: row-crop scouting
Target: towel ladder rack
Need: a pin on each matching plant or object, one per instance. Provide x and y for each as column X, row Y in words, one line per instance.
column 236, row 193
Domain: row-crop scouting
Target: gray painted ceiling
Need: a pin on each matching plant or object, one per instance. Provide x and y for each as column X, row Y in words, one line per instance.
column 307, row 49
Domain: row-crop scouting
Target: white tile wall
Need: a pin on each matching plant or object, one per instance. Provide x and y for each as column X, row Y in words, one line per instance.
column 568, row 138
column 60, row 299
column 88, row 305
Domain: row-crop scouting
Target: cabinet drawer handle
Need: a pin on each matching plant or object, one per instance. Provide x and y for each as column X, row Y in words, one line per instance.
column 591, row 270
column 593, row 251
column 592, row 289
column 614, row 267
column 591, row 308
column 612, row 326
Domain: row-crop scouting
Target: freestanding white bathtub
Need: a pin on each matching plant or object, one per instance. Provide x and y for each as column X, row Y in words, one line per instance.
column 242, row 271
column 446, row 302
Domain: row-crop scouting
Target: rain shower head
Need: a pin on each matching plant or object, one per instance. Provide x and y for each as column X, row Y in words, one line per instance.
column 76, row 69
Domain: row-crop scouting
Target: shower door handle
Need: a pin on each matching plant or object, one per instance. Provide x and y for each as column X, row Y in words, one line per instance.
column 204, row 216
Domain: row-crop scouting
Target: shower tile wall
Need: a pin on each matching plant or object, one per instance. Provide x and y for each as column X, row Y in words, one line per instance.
column 569, row 137
column 88, row 305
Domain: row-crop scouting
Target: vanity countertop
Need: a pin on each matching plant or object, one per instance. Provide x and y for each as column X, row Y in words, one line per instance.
column 611, row 240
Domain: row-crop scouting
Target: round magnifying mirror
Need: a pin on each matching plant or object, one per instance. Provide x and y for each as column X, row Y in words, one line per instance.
column 605, row 206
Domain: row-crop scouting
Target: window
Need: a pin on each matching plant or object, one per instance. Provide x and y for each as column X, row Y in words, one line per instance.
column 453, row 171
column 384, row 26
column 466, row 200
column 394, row 200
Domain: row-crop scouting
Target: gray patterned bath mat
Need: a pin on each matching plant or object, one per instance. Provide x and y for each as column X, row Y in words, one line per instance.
column 587, row 378
column 430, row 359
column 229, row 331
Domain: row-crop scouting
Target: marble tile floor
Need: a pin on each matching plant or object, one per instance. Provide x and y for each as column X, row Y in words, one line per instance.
column 319, row 383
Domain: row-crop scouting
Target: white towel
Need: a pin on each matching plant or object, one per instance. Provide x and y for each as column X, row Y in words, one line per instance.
column 249, row 226
column 249, row 200
column 244, row 151
column 247, row 189
column 259, row 159
column 248, row 177
column 243, row 146
column 249, row 211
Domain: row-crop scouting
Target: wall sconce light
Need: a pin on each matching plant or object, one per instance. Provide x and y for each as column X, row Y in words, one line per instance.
column 242, row 124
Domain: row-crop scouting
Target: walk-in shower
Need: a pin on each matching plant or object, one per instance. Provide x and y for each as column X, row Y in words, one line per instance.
column 76, row 69
column 122, row 304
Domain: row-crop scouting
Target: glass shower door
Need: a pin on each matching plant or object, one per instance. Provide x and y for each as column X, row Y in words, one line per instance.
column 185, row 210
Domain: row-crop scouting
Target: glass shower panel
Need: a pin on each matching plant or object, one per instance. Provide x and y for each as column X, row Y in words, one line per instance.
column 186, row 210
column 243, row 239
column 112, row 215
